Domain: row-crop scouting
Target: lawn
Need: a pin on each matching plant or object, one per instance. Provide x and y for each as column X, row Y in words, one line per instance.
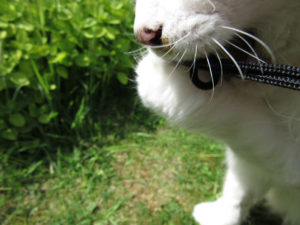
column 151, row 178
column 147, row 178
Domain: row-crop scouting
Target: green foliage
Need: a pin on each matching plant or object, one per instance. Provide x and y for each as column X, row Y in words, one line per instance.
column 62, row 64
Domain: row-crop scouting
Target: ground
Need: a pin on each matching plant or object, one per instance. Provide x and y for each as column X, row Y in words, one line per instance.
column 147, row 178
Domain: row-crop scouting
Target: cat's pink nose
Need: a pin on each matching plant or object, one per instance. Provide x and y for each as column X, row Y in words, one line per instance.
column 149, row 36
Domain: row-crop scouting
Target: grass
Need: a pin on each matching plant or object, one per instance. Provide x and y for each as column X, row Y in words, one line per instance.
column 145, row 179
column 163, row 175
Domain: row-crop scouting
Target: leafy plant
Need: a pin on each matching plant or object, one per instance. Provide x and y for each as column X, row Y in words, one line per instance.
column 62, row 65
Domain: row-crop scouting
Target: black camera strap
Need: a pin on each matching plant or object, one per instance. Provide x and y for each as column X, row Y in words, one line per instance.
column 279, row 75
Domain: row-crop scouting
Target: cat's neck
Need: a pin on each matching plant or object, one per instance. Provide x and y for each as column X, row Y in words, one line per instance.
column 282, row 35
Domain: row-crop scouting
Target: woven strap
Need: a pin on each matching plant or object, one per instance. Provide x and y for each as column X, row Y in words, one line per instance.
column 277, row 75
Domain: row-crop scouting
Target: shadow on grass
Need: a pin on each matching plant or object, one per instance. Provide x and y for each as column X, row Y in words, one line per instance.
column 261, row 215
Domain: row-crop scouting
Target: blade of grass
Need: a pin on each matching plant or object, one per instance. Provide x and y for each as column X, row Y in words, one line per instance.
column 41, row 80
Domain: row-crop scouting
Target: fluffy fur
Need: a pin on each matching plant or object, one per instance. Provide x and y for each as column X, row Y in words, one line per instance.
column 259, row 123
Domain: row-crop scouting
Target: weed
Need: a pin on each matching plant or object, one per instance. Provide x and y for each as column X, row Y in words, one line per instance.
column 59, row 62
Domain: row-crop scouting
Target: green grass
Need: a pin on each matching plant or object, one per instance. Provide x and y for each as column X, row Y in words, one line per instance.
column 145, row 179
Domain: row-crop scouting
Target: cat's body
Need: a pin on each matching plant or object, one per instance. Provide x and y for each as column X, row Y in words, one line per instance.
column 259, row 123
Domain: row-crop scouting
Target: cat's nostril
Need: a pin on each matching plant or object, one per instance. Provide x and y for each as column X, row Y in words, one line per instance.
column 149, row 36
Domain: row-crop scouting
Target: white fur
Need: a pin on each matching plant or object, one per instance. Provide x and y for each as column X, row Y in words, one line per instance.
column 259, row 123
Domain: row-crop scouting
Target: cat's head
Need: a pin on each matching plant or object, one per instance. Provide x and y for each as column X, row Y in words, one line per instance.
column 185, row 28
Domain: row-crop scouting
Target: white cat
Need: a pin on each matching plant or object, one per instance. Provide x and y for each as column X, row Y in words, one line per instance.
column 259, row 123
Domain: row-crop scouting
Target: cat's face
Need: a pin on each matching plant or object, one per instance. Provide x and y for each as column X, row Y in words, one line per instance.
column 196, row 27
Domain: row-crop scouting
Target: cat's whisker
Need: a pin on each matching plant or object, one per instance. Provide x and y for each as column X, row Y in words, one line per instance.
column 172, row 43
column 221, row 66
column 164, row 55
column 194, row 60
column 219, row 60
column 212, row 5
column 261, row 42
column 138, row 54
column 230, row 56
column 249, row 46
column 246, row 52
column 178, row 63
column 211, row 75
column 174, row 58
column 161, row 46
column 253, row 50
column 137, row 57
column 137, row 51
column 280, row 114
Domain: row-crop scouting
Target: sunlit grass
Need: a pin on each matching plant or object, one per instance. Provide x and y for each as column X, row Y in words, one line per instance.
column 171, row 170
